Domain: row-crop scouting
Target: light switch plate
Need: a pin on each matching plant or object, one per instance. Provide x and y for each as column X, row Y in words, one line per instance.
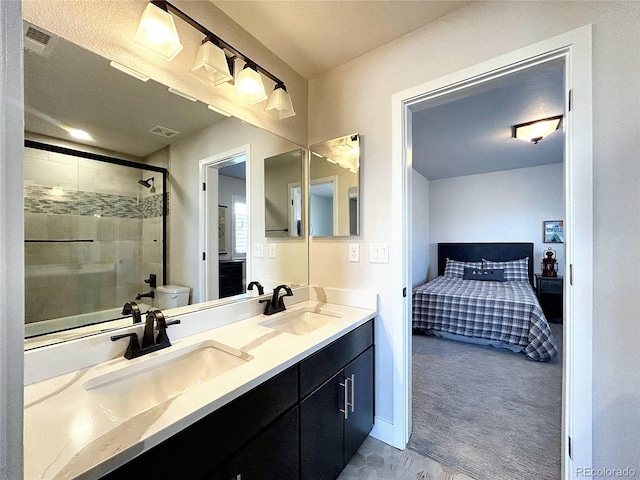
column 272, row 250
column 354, row 252
column 379, row 253
column 258, row 251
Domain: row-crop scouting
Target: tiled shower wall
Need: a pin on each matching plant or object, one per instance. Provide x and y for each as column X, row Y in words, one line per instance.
column 115, row 226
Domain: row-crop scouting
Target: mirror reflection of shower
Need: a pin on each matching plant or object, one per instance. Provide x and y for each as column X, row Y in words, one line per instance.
column 148, row 183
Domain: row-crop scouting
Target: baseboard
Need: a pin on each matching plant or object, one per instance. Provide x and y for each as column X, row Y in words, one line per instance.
column 383, row 430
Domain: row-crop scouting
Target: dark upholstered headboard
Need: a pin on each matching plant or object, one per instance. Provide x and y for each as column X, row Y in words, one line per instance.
column 475, row 252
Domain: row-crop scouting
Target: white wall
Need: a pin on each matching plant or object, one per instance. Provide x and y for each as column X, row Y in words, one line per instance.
column 420, row 226
column 475, row 33
column 507, row 206
column 290, row 264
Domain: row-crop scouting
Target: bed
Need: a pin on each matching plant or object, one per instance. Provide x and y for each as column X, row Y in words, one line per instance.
column 483, row 294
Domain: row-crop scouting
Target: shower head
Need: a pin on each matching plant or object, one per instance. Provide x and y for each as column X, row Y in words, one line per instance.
column 148, row 183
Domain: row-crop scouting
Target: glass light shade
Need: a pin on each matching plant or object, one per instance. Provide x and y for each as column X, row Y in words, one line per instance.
column 249, row 86
column 211, row 64
column 157, row 33
column 280, row 102
column 536, row 131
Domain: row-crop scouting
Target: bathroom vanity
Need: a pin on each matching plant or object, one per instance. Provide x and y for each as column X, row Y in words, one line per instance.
column 287, row 396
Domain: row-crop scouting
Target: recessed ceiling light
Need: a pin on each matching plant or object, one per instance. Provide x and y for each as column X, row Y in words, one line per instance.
column 217, row 110
column 182, row 94
column 79, row 134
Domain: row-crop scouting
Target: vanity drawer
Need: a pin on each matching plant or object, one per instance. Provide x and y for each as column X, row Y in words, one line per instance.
column 322, row 365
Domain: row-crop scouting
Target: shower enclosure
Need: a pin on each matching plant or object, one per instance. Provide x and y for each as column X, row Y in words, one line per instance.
column 94, row 231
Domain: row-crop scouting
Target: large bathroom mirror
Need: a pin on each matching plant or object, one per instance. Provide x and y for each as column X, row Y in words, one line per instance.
column 68, row 89
column 334, row 187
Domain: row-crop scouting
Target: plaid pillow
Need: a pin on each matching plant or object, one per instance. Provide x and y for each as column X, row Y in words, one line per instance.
column 514, row 271
column 454, row 268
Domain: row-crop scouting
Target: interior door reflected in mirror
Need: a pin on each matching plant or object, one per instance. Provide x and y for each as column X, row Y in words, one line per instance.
column 283, row 177
column 334, row 187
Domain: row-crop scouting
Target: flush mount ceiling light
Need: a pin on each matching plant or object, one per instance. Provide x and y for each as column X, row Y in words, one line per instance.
column 280, row 103
column 536, row 130
column 214, row 60
column 157, row 33
column 77, row 133
column 129, row 71
column 249, row 86
column 211, row 64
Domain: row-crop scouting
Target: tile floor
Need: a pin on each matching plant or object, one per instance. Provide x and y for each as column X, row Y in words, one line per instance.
column 377, row 460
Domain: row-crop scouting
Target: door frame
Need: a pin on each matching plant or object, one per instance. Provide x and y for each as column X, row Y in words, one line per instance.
column 576, row 49
column 333, row 180
column 209, row 265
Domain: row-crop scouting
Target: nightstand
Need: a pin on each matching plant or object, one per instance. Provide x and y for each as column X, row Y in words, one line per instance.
column 549, row 292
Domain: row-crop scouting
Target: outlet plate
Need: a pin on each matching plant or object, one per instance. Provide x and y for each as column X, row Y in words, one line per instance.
column 272, row 250
column 258, row 250
column 354, row 252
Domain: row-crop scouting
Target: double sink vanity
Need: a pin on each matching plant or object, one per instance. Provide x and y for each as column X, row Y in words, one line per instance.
column 238, row 394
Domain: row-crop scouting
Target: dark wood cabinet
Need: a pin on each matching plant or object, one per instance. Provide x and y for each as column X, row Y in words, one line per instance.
column 231, row 278
column 550, row 295
column 272, row 454
column 276, row 430
column 337, row 416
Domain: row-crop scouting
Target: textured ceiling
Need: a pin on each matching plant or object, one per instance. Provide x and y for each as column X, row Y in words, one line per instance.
column 314, row 37
column 77, row 88
column 469, row 132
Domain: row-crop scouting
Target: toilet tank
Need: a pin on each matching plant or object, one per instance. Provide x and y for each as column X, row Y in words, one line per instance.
column 171, row 296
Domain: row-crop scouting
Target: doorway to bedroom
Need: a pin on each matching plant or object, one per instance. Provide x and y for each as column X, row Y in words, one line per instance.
column 488, row 412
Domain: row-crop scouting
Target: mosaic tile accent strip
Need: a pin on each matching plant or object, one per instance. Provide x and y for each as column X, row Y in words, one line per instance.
column 41, row 200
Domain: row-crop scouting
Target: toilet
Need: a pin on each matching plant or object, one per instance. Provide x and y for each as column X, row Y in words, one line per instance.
column 171, row 296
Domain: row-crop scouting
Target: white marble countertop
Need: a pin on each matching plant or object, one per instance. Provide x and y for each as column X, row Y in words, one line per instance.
column 68, row 434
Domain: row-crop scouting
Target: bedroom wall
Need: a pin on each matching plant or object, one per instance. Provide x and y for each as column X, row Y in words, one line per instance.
column 357, row 97
column 420, row 228
column 463, row 209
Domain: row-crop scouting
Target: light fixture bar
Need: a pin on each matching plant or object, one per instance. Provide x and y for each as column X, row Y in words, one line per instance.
column 166, row 6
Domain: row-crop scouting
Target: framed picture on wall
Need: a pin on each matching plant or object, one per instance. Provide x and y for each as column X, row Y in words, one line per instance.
column 553, row 231
column 222, row 229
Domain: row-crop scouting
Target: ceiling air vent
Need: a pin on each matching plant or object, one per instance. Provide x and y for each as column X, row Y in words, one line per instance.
column 163, row 132
column 38, row 41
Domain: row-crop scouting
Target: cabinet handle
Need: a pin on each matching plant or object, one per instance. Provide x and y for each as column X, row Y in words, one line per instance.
column 346, row 398
column 353, row 392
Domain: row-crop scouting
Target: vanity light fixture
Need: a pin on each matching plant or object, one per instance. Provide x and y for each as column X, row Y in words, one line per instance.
column 211, row 63
column 280, row 102
column 129, row 71
column 249, row 86
column 215, row 58
column 157, row 33
column 536, row 130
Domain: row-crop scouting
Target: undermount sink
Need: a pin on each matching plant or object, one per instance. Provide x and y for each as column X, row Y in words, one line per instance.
column 302, row 321
column 136, row 388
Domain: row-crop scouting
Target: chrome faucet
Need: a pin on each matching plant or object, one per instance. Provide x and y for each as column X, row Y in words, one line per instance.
column 132, row 308
column 150, row 342
column 276, row 304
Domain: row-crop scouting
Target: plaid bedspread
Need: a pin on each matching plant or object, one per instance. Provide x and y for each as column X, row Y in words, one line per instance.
column 508, row 312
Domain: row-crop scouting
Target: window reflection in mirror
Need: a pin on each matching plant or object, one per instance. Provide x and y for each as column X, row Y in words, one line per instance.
column 334, row 184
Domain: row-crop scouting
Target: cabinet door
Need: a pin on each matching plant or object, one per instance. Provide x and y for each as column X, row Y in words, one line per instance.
column 322, row 431
column 359, row 379
column 272, row 454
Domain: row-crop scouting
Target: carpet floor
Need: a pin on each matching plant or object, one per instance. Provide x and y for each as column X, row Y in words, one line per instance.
column 489, row 413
